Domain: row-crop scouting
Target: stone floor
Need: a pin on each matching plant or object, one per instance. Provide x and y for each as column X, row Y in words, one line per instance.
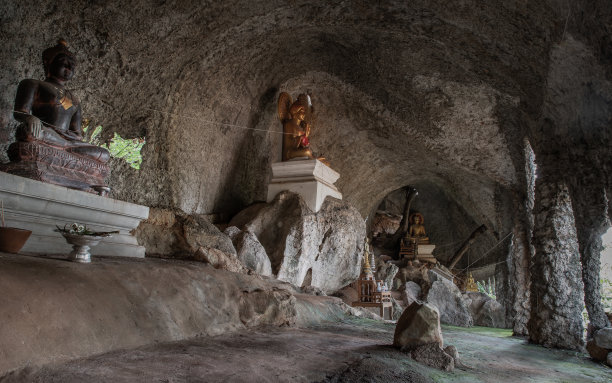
column 353, row 351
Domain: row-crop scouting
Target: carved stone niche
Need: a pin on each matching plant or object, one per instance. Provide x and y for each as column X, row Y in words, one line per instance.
column 42, row 162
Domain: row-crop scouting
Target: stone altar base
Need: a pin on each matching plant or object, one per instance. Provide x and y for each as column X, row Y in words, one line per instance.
column 312, row 179
column 49, row 164
column 38, row 206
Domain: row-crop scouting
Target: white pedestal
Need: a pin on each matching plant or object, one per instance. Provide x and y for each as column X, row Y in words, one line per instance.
column 312, row 179
column 39, row 206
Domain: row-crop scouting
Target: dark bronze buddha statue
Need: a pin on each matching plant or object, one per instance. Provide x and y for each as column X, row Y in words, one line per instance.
column 49, row 141
column 51, row 113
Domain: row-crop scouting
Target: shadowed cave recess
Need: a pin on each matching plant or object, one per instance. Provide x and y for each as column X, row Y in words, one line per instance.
column 498, row 113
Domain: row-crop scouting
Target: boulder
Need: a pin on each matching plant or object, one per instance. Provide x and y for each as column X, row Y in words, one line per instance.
column 250, row 252
column 326, row 247
column 485, row 310
column 453, row 308
column 597, row 353
column 603, row 338
column 609, row 359
column 434, row 356
column 397, row 309
column 419, row 325
column 411, row 293
column 175, row 234
column 386, row 272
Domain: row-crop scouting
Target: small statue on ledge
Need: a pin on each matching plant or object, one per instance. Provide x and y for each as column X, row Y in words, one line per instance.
column 296, row 118
column 416, row 233
column 50, row 145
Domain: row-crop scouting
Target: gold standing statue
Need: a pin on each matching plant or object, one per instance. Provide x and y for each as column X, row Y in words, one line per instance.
column 296, row 118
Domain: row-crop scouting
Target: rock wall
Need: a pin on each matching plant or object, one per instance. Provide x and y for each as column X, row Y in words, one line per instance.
column 556, row 284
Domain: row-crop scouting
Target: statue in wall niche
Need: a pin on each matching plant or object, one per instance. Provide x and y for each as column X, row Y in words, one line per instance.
column 49, row 141
column 296, row 118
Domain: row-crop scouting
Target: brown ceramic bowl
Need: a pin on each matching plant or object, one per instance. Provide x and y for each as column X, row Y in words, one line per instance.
column 13, row 239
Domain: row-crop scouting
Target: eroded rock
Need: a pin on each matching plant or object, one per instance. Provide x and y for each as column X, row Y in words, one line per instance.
column 325, row 247
column 596, row 352
column 434, row 356
column 249, row 251
column 603, row 338
column 411, row 293
column 452, row 306
column 485, row 310
column 419, row 325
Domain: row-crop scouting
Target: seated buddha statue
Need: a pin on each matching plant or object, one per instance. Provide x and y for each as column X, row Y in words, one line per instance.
column 49, row 112
column 416, row 233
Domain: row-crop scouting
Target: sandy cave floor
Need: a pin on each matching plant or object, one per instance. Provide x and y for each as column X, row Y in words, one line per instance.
column 356, row 350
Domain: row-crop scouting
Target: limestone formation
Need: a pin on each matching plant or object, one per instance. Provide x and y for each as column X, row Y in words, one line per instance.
column 603, row 338
column 453, row 307
column 419, row 325
column 486, row 311
column 597, row 353
column 250, row 252
column 556, row 286
column 386, row 272
column 323, row 248
column 411, row 293
column 174, row 234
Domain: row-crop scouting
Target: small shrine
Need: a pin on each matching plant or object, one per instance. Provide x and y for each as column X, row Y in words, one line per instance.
column 415, row 245
column 372, row 292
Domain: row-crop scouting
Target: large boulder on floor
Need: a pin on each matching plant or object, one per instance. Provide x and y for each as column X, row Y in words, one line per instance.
column 249, row 251
column 219, row 260
column 419, row 325
column 411, row 293
column 433, row 355
column 485, row 310
column 324, row 247
column 603, row 338
column 453, row 308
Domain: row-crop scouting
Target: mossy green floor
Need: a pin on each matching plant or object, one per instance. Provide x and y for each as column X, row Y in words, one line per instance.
column 494, row 355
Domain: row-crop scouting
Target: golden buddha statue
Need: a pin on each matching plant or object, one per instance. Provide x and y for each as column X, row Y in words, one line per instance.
column 296, row 118
column 416, row 233
column 470, row 284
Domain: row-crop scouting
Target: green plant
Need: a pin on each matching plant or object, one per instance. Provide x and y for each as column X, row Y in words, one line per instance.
column 128, row 149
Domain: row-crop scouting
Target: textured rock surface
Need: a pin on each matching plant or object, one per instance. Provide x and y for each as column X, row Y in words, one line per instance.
column 250, row 252
column 120, row 302
column 175, row 234
column 453, row 308
column 434, row 356
column 556, row 286
column 486, row 311
column 326, row 247
column 603, row 338
column 598, row 353
column 411, row 293
column 419, row 325
column 386, row 272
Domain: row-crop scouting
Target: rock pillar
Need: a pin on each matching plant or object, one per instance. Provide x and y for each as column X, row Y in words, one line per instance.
column 591, row 212
column 556, row 283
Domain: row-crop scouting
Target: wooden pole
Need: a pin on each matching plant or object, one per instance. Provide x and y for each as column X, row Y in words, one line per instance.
column 466, row 246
